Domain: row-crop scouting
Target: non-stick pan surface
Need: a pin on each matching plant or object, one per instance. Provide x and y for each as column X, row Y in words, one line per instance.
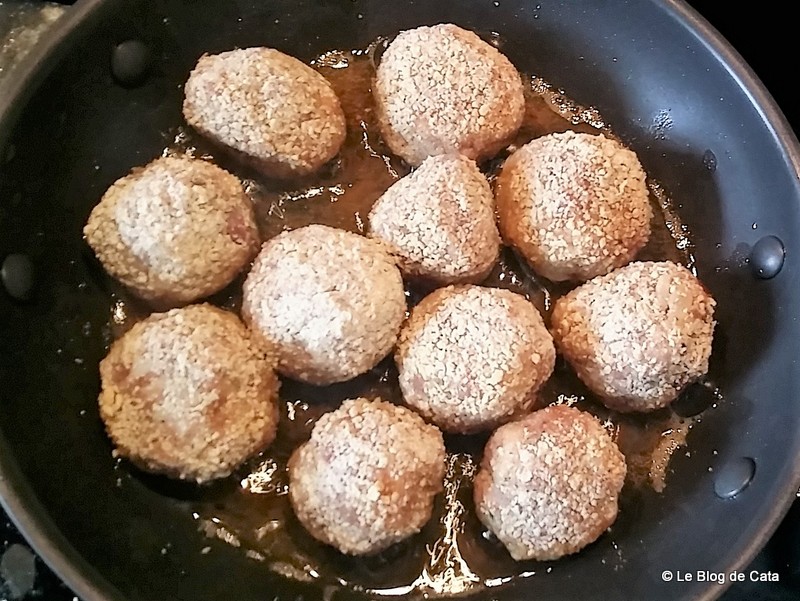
column 670, row 88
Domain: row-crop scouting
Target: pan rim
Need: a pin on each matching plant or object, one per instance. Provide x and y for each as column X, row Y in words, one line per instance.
column 24, row 78
column 16, row 496
column 17, row 499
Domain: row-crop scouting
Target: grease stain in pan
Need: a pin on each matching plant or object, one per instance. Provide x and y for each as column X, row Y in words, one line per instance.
column 454, row 554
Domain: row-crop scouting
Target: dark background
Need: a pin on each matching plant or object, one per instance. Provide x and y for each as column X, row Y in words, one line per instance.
column 766, row 36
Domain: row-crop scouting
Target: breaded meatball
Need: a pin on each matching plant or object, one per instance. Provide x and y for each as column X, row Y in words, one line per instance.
column 188, row 394
column 574, row 205
column 272, row 110
column 443, row 90
column 549, row 483
column 368, row 476
column 637, row 336
column 330, row 301
column 174, row 231
column 439, row 221
column 470, row 358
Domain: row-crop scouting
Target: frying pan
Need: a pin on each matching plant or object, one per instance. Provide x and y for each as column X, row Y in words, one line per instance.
column 670, row 87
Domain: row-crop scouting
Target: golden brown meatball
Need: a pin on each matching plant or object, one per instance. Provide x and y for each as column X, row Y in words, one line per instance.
column 574, row 205
column 367, row 477
column 439, row 221
column 330, row 301
column 638, row 335
column 470, row 358
column 273, row 110
column 442, row 90
column 174, row 231
column 549, row 483
column 188, row 394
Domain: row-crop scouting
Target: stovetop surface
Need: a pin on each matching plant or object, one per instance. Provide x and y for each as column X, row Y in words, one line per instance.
column 762, row 35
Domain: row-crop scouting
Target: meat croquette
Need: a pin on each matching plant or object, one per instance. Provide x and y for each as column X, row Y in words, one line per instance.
column 471, row 358
column 442, row 90
column 549, row 483
column 637, row 336
column 272, row 110
column 439, row 221
column 368, row 476
column 331, row 302
column 174, row 231
column 574, row 205
column 187, row 393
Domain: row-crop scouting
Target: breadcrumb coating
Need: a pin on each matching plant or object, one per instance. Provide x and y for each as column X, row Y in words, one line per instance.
column 574, row 205
column 471, row 358
column 331, row 302
column 439, row 221
column 187, row 393
column 549, row 483
column 273, row 110
column 638, row 335
column 442, row 90
column 368, row 476
column 174, row 231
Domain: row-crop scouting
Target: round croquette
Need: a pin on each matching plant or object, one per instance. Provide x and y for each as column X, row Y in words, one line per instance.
column 367, row 477
column 549, row 483
column 441, row 90
column 174, row 231
column 188, row 394
column 574, row 205
column 470, row 358
column 638, row 335
column 330, row 301
column 439, row 221
column 272, row 110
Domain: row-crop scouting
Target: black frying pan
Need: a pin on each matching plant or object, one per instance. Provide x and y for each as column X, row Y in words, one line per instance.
column 727, row 157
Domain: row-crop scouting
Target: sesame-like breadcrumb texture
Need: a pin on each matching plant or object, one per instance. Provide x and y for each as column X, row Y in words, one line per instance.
column 368, row 476
column 330, row 301
column 439, row 221
column 470, row 358
column 549, row 483
column 638, row 335
column 275, row 111
column 188, row 394
column 574, row 205
column 174, row 231
column 441, row 90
